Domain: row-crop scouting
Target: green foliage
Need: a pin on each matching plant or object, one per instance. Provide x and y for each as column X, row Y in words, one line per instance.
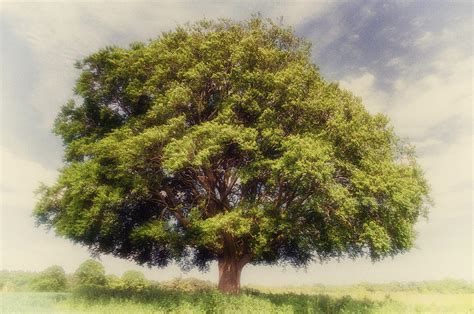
column 179, row 301
column 134, row 280
column 447, row 296
column 52, row 279
column 222, row 139
column 16, row 280
column 90, row 273
column 34, row 302
column 188, row 285
column 114, row 282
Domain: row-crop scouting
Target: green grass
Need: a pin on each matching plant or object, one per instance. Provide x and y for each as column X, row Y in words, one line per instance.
column 32, row 302
column 432, row 297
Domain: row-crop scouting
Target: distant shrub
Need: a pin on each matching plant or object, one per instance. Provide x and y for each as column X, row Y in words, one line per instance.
column 16, row 280
column 114, row 282
column 449, row 286
column 189, row 285
column 90, row 273
column 134, row 280
column 116, row 290
column 52, row 279
column 440, row 286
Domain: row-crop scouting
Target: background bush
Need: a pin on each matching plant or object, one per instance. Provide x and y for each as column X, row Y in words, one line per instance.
column 52, row 279
column 16, row 280
column 134, row 280
column 189, row 285
column 90, row 273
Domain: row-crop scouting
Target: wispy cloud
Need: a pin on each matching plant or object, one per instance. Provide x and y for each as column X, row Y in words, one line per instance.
column 50, row 37
column 430, row 102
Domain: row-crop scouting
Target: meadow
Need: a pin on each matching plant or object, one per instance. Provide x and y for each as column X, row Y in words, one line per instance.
column 448, row 296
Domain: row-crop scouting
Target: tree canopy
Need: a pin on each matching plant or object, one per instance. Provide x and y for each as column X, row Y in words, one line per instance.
column 220, row 140
column 52, row 279
column 90, row 273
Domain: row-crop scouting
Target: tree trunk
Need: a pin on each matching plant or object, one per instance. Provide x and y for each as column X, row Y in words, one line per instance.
column 229, row 273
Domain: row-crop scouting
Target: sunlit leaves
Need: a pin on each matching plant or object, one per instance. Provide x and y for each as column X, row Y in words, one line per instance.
column 222, row 138
column 205, row 142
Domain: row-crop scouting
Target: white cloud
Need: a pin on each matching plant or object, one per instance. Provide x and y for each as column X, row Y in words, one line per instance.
column 395, row 62
column 435, row 112
column 364, row 86
column 420, row 104
column 424, row 40
column 60, row 33
column 447, row 167
column 19, row 178
column 297, row 12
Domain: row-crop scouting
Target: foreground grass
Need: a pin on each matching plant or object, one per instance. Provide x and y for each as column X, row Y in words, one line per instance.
column 443, row 296
column 32, row 302
column 424, row 298
column 180, row 302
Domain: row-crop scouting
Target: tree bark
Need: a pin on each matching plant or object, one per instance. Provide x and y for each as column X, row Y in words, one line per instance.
column 230, row 269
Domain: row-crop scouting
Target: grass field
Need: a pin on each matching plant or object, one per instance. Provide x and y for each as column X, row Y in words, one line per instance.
column 437, row 297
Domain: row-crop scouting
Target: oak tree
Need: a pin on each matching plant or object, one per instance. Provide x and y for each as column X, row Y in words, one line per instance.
column 221, row 141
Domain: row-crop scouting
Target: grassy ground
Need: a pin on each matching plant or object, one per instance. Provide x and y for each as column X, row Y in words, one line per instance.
column 395, row 298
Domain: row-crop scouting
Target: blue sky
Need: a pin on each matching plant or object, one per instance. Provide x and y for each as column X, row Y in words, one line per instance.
column 411, row 60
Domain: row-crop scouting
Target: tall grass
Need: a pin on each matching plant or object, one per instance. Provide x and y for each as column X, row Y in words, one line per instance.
column 158, row 300
column 428, row 297
column 32, row 302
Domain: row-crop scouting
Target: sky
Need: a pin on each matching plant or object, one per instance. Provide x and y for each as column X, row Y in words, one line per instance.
column 410, row 60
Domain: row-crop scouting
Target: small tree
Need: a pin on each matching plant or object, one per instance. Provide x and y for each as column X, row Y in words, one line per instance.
column 134, row 280
column 221, row 141
column 90, row 273
column 52, row 279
